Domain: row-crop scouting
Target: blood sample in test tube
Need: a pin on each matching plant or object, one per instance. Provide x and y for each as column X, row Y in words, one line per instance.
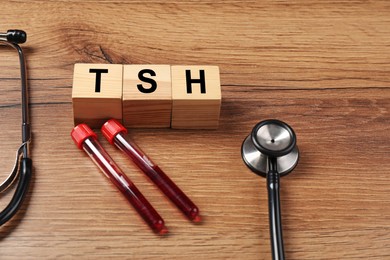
column 115, row 133
column 86, row 140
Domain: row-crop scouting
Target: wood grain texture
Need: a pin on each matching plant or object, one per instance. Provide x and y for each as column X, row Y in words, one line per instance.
column 321, row 66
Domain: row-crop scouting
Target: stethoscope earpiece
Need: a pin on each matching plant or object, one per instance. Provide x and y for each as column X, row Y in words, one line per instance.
column 271, row 151
column 270, row 139
column 14, row 36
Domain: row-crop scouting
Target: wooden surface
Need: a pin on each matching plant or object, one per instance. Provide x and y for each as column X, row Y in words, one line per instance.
column 321, row 66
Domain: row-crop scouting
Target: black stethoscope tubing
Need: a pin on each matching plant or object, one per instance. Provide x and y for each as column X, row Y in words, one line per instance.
column 23, row 164
column 274, row 212
column 25, row 173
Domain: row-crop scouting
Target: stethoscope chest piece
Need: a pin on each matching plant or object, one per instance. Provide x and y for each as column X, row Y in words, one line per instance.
column 271, row 151
column 270, row 139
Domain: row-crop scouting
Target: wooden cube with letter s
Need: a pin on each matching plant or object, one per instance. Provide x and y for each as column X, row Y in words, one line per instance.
column 147, row 96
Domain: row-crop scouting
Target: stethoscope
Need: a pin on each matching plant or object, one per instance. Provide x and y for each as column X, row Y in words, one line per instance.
column 23, row 164
column 271, row 152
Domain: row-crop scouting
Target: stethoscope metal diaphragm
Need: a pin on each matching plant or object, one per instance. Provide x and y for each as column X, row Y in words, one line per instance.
column 270, row 139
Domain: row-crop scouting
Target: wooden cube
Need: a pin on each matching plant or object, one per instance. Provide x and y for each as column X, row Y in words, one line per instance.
column 97, row 93
column 147, row 96
column 196, row 94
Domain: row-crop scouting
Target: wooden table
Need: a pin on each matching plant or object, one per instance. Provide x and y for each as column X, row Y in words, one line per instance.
column 323, row 67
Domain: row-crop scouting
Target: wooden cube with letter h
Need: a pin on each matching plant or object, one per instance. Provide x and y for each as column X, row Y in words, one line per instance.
column 97, row 93
column 147, row 96
column 196, row 94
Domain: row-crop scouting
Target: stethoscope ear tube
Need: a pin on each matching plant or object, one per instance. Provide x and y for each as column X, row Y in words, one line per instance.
column 23, row 163
column 21, row 191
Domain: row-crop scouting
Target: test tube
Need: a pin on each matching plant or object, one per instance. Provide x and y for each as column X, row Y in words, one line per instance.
column 115, row 134
column 86, row 140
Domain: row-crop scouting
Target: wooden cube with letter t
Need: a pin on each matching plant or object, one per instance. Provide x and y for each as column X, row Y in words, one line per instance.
column 196, row 94
column 97, row 93
column 147, row 96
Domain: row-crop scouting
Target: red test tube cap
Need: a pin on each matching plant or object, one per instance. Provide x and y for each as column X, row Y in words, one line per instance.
column 80, row 133
column 111, row 128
